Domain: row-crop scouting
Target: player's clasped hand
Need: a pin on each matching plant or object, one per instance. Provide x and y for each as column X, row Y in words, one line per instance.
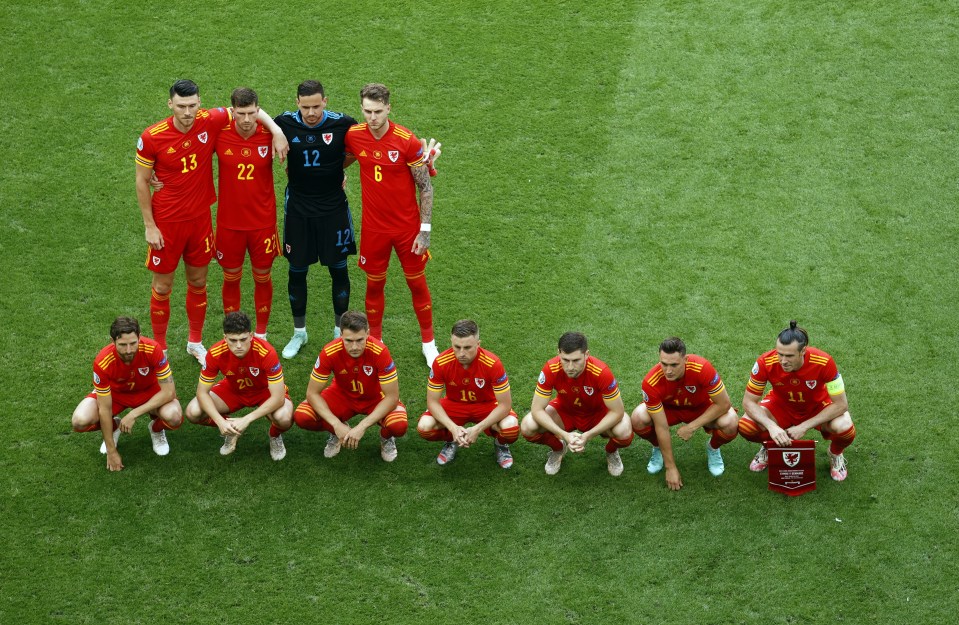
column 576, row 442
column 228, row 429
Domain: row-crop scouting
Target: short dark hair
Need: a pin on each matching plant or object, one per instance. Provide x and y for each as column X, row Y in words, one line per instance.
column 672, row 345
column 236, row 322
column 794, row 334
column 310, row 87
column 184, row 88
column 124, row 325
column 573, row 342
column 244, row 96
column 465, row 328
column 376, row 92
column 354, row 321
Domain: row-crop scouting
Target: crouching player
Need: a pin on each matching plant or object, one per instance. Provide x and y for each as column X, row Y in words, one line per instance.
column 477, row 392
column 587, row 400
column 129, row 373
column 807, row 392
column 252, row 378
column 683, row 389
column 354, row 375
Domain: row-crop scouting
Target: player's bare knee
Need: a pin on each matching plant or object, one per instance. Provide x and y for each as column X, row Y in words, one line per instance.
column 510, row 421
column 426, row 424
column 621, row 430
column 84, row 415
column 640, row 417
column 728, row 423
column 841, row 423
column 528, row 426
column 193, row 412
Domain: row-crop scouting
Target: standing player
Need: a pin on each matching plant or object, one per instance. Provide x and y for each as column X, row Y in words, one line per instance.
column 477, row 391
column 252, row 378
column 807, row 392
column 130, row 373
column 683, row 389
column 393, row 166
column 317, row 225
column 587, row 400
column 246, row 212
column 179, row 150
column 354, row 375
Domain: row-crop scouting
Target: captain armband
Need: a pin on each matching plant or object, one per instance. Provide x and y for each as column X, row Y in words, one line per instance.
column 836, row 387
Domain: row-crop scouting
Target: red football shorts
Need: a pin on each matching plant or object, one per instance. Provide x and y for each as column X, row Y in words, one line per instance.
column 235, row 400
column 375, row 249
column 675, row 416
column 343, row 406
column 122, row 401
column 787, row 414
column 232, row 246
column 463, row 414
column 577, row 422
column 191, row 240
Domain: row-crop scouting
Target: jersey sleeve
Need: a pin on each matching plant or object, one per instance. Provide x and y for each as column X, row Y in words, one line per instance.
column 210, row 369
column 757, row 378
column 274, row 370
column 435, row 383
column 414, row 152
column 386, row 368
column 145, row 152
column 609, row 385
column 651, row 397
column 322, row 370
column 544, row 384
column 101, row 380
column 161, row 365
column 832, row 379
column 711, row 380
column 499, row 378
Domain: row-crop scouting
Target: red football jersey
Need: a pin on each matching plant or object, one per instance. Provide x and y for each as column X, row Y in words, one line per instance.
column 389, row 192
column 804, row 388
column 184, row 163
column 245, row 180
column 112, row 375
column 696, row 388
column 481, row 382
column 583, row 396
column 247, row 376
column 360, row 378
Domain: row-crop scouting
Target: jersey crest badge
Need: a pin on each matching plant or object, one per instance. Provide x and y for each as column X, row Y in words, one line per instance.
column 362, row 259
column 367, row 369
column 377, row 154
column 203, row 136
column 791, row 458
column 254, row 371
column 756, row 368
column 310, row 138
column 480, row 382
column 219, row 255
column 690, row 389
column 811, row 384
column 156, row 261
column 394, row 155
column 144, row 370
column 263, row 150
column 327, row 138
column 140, row 143
column 542, row 378
column 588, row 390
column 186, row 144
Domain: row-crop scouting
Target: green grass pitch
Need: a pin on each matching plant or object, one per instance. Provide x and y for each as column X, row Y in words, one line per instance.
column 631, row 170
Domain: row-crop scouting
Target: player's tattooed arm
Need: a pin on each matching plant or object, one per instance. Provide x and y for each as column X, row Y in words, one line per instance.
column 421, row 176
